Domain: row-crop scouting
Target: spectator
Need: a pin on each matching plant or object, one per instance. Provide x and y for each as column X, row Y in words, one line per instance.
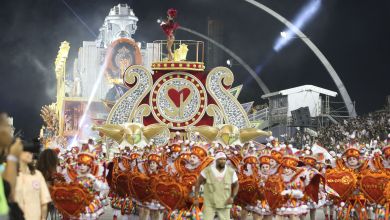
column 47, row 164
column 11, row 152
column 31, row 192
column 362, row 129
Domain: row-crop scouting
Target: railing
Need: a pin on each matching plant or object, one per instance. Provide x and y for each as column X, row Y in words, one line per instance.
column 195, row 50
column 338, row 110
column 262, row 114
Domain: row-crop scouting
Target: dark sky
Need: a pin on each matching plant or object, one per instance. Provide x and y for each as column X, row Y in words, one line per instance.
column 353, row 34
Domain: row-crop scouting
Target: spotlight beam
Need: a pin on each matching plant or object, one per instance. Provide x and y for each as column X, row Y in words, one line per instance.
column 80, row 19
column 303, row 17
column 90, row 99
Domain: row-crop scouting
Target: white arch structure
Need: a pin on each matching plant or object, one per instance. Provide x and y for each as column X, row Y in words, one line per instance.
column 332, row 72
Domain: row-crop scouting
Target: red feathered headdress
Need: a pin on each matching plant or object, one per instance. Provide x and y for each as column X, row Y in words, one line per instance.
column 172, row 12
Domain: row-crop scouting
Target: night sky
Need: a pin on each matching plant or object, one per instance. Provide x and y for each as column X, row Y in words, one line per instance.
column 354, row 35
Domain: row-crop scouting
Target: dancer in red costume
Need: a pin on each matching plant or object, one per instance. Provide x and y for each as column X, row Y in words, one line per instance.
column 169, row 26
column 87, row 174
column 262, row 211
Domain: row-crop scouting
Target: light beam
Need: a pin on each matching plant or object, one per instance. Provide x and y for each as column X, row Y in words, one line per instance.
column 303, row 17
column 332, row 72
column 90, row 99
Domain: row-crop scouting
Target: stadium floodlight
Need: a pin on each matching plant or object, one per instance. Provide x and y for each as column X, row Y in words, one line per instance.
column 229, row 62
column 284, row 34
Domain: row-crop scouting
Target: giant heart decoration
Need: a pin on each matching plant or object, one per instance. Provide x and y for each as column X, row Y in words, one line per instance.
column 170, row 194
column 248, row 192
column 272, row 191
column 372, row 184
column 140, row 186
column 175, row 95
column 70, row 198
column 189, row 179
column 342, row 181
column 122, row 185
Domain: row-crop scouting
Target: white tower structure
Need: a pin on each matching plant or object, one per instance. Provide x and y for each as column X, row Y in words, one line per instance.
column 106, row 57
column 121, row 22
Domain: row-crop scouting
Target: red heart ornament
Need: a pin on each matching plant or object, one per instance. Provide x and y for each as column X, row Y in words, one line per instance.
column 248, row 192
column 176, row 95
column 189, row 179
column 70, row 198
column 170, row 194
column 342, row 181
column 372, row 184
column 140, row 186
column 386, row 191
column 122, row 185
column 272, row 191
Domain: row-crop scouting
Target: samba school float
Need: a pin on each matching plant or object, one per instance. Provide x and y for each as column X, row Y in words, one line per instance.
column 138, row 123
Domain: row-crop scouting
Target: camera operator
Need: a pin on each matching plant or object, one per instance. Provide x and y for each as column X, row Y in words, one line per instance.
column 9, row 151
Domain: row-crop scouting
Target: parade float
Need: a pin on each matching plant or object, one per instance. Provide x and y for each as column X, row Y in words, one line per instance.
column 173, row 104
column 91, row 90
column 161, row 116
